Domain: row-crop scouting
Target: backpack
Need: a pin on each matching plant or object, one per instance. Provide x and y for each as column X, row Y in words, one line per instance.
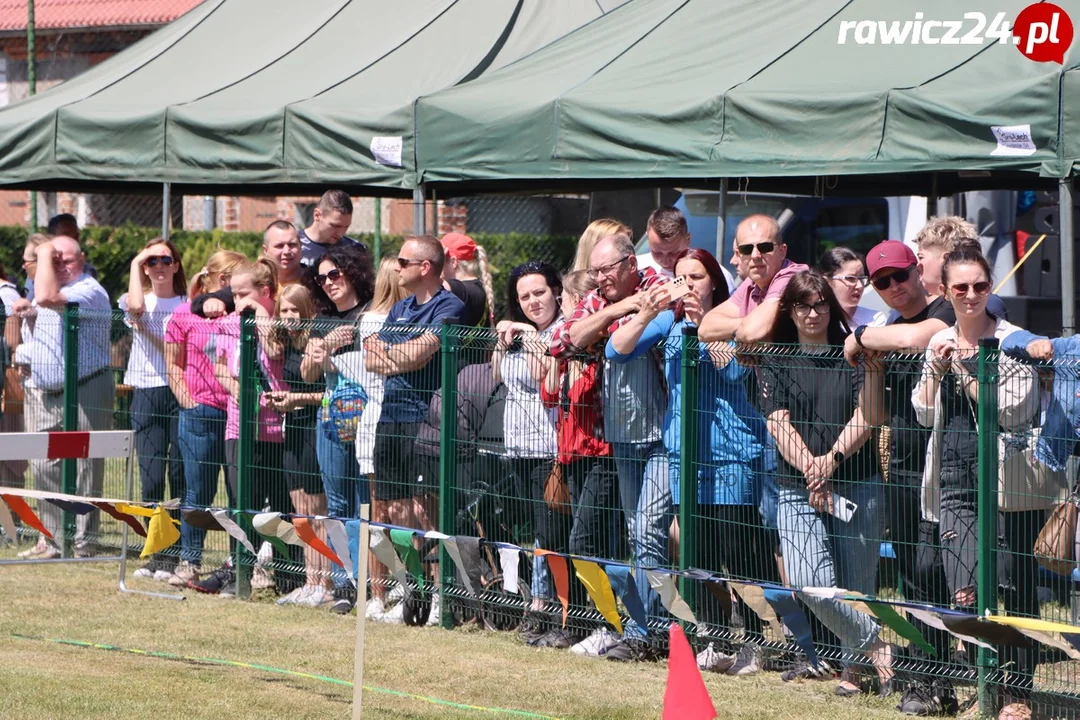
column 342, row 409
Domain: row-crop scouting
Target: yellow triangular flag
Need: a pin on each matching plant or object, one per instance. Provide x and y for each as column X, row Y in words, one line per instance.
column 1036, row 624
column 161, row 533
column 595, row 580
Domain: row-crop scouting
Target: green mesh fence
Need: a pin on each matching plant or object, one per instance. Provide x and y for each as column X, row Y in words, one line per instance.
column 716, row 462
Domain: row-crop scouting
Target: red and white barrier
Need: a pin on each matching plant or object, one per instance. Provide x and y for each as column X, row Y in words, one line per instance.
column 66, row 445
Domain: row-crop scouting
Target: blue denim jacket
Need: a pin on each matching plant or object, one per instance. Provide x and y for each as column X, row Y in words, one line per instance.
column 1061, row 426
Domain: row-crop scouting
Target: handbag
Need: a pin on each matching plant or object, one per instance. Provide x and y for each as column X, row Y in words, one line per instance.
column 557, row 490
column 1055, row 548
column 14, row 394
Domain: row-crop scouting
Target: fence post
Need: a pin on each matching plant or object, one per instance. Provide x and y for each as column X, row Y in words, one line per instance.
column 447, row 464
column 70, row 418
column 245, row 449
column 688, row 462
column 987, row 529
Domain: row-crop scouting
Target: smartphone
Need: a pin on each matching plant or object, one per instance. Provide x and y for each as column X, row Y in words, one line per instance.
column 842, row 508
column 677, row 288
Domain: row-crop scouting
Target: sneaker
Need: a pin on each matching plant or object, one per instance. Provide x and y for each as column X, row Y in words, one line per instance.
column 374, row 608
column 597, row 644
column 229, row 591
column 341, row 606
column 318, row 596
column 532, row 627
column 215, row 582
column 434, row 615
column 85, row 549
column 633, row 650
column 295, row 596
column 393, row 616
column 148, row 570
column 805, row 671
column 41, row 547
column 747, row 661
column 396, row 593
column 185, row 573
column 923, row 699
column 261, row 578
column 556, row 638
column 163, row 575
column 713, row 660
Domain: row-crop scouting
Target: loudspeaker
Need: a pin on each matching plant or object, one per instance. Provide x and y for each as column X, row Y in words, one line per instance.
column 1041, row 316
column 1040, row 275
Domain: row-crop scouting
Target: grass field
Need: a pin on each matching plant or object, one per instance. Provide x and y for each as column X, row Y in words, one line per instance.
column 39, row 679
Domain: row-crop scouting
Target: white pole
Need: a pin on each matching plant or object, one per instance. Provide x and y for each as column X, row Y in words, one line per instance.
column 1067, row 236
column 361, row 604
column 721, row 223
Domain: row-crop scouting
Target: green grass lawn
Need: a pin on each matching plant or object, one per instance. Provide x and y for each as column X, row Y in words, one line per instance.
column 495, row 670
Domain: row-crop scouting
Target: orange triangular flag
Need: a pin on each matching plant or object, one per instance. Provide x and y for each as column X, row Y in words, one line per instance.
column 20, row 508
column 685, row 697
column 307, row 534
column 561, row 575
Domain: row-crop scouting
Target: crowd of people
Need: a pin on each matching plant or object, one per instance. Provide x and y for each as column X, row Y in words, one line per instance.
column 821, row 427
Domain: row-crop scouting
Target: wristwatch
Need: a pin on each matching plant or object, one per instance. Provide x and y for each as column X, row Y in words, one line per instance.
column 837, row 456
column 858, row 335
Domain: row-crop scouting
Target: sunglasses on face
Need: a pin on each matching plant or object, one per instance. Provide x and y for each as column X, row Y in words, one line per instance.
column 981, row 288
column 851, row 280
column 164, row 260
column 406, row 262
column 803, row 309
column 763, row 248
column 899, row 277
column 609, row 268
column 333, row 276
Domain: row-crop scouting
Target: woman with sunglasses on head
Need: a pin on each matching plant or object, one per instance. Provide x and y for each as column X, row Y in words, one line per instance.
column 732, row 438
column 156, row 288
column 521, row 362
column 947, row 400
column 830, row 515
column 846, row 272
column 202, row 400
column 346, row 279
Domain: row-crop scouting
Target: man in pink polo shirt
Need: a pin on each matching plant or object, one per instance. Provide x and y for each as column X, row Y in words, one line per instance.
column 749, row 313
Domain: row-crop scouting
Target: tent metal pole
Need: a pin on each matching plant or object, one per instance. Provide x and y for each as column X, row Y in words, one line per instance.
column 209, row 207
column 721, row 221
column 1068, row 264
column 31, row 86
column 166, row 189
column 419, row 216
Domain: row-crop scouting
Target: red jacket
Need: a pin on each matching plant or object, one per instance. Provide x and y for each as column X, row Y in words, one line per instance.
column 580, row 428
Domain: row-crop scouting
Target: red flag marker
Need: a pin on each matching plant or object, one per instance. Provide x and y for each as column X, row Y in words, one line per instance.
column 685, row 697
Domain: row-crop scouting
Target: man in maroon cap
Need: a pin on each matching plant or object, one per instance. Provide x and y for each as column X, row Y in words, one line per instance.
column 895, row 273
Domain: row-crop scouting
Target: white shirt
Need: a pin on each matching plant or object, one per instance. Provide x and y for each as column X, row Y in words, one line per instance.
column 351, row 366
column 645, row 260
column 869, row 317
column 528, row 426
column 95, row 321
column 146, row 363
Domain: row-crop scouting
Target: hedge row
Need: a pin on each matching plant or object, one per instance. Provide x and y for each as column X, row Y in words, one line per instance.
column 110, row 250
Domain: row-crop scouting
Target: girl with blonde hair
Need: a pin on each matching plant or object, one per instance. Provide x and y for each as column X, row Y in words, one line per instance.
column 466, row 273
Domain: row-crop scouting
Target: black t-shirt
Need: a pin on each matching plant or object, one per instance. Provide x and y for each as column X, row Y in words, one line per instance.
column 306, row 416
column 959, row 440
column 471, row 292
column 821, row 393
column 908, row 438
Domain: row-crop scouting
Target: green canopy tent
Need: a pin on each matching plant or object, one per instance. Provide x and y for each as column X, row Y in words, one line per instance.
column 275, row 93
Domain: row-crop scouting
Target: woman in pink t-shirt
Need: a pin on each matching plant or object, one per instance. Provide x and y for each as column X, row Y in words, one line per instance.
column 189, row 353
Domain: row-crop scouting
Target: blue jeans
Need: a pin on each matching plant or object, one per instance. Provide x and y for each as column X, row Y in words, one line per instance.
column 821, row 550
column 345, row 490
column 201, row 437
column 155, row 420
column 645, row 491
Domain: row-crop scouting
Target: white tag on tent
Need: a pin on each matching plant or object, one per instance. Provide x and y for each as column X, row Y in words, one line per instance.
column 386, row 150
column 1013, row 140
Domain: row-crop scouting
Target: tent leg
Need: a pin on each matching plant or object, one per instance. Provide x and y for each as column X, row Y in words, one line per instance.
column 165, row 202
column 419, row 214
column 1068, row 281
column 721, row 221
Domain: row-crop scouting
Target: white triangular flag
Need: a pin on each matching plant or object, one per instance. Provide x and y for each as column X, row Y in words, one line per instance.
column 271, row 524
column 455, row 554
column 664, row 585
column 509, row 559
column 227, row 524
column 384, row 551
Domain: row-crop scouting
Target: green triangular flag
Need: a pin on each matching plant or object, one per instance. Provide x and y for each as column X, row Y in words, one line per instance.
column 403, row 543
column 898, row 624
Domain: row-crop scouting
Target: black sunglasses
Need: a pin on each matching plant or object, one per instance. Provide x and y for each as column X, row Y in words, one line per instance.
column 333, row 276
column 764, row 248
column 900, row 277
column 165, row 261
column 406, row 262
column 529, row 268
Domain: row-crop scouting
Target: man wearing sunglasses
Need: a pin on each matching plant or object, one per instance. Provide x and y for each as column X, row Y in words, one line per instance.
column 749, row 313
column 895, row 273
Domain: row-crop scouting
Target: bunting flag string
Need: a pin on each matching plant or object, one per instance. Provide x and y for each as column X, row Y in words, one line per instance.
column 603, row 579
